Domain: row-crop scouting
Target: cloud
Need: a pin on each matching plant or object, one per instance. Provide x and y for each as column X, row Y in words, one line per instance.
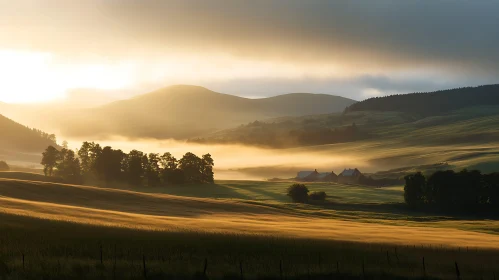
column 364, row 42
column 387, row 32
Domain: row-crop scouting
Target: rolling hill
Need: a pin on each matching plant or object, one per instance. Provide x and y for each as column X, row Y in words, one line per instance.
column 67, row 231
column 15, row 137
column 456, row 116
column 189, row 111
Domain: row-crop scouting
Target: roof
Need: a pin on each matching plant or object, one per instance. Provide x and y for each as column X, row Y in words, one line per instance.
column 349, row 172
column 324, row 174
column 303, row 174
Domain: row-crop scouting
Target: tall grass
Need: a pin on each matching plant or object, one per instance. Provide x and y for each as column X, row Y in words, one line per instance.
column 43, row 249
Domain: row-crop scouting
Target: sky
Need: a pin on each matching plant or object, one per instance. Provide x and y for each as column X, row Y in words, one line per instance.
column 114, row 49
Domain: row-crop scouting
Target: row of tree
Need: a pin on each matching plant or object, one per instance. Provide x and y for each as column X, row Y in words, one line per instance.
column 282, row 135
column 431, row 103
column 452, row 190
column 104, row 164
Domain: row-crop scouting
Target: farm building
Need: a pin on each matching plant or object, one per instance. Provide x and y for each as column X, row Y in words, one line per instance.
column 327, row 177
column 307, row 176
column 314, row 176
column 349, row 176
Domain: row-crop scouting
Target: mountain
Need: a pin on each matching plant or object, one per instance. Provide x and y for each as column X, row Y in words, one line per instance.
column 15, row 137
column 456, row 116
column 183, row 111
column 431, row 103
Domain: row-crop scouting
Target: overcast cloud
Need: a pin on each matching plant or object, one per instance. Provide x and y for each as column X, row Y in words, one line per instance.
column 352, row 48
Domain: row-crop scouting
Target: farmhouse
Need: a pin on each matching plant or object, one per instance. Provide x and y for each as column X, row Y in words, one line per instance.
column 349, row 176
column 314, row 176
column 307, row 176
column 327, row 177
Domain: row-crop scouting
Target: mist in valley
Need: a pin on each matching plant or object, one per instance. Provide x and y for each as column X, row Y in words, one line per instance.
column 239, row 162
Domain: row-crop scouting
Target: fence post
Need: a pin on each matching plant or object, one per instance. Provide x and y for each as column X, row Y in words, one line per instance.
column 388, row 258
column 23, row 260
column 458, row 274
column 114, row 263
column 280, row 269
column 424, row 268
column 337, row 267
column 363, row 270
column 100, row 249
column 144, row 266
column 320, row 263
column 205, row 266
column 397, row 255
column 241, row 268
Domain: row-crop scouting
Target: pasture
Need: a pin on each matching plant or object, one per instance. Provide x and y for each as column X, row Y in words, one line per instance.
column 236, row 229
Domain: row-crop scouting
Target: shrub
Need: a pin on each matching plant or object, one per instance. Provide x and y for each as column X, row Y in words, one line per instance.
column 4, row 166
column 298, row 193
column 317, row 196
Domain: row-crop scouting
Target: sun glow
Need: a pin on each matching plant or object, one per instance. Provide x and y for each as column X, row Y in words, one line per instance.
column 38, row 76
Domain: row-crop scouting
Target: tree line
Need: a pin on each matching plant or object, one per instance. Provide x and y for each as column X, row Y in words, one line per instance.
column 93, row 163
column 431, row 103
column 284, row 135
column 453, row 190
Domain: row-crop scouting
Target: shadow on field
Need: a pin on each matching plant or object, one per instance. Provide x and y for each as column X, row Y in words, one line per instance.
column 388, row 210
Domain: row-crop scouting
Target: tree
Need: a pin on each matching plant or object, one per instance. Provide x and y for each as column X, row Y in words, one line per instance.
column 88, row 154
column 317, row 196
column 192, row 166
column 68, row 166
column 153, row 170
column 491, row 184
column 168, row 161
column 135, row 171
column 208, row 164
column 176, row 177
column 298, row 193
column 415, row 185
column 49, row 160
column 4, row 166
column 108, row 165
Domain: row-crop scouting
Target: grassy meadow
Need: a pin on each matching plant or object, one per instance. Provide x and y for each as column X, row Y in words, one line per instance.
column 46, row 249
column 232, row 226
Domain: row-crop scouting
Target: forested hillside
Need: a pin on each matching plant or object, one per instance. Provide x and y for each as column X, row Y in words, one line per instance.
column 431, row 103
column 17, row 137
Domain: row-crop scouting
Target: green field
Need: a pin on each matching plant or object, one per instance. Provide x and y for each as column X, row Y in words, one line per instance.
column 276, row 191
column 360, row 232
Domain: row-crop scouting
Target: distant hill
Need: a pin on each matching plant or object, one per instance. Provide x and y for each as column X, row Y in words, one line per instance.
column 17, row 137
column 470, row 125
column 189, row 111
column 431, row 103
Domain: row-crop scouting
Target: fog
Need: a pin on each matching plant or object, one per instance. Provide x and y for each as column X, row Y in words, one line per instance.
column 237, row 162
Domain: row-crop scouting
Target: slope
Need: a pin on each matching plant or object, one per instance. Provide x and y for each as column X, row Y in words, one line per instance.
column 15, row 137
column 431, row 103
column 116, row 208
column 189, row 111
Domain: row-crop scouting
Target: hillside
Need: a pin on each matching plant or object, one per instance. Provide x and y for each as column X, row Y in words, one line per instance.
column 162, row 212
column 189, row 111
column 431, row 103
column 66, row 231
column 473, row 125
column 404, row 117
column 15, row 137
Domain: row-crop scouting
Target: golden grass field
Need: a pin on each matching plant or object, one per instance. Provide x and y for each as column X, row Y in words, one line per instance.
column 164, row 212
